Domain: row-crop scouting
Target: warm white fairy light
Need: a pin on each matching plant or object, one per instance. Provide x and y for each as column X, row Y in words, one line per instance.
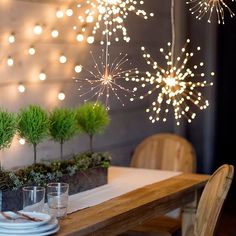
column 110, row 12
column 38, row 29
column 11, row 38
column 21, row 141
column 200, row 8
column 10, row 61
column 80, row 37
column 90, row 39
column 69, row 12
column 42, row 76
column 59, row 13
column 55, row 33
column 21, row 88
column 31, row 50
column 62, row 59
column 78, row 68
column 107, row 77
column 174, row 86
column 61, row 96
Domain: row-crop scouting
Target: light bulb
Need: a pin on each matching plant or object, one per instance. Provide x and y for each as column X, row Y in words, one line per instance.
column 61, row 96
column 21, row 88
column 38, row 29
column 79, row 37
column 78, row 68
column 63, row 59
column 59, row 13
column 42, row 76
column 89, row 19
column 69, row 12
column 90, row 39
column 11, row 38
column 10, row 61
column 31, row 51
column 54, row 33
column 21, row 141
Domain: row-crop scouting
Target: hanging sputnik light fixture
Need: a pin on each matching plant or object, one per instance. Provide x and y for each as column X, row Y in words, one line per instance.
column 174, row 84
column 96, row 12
column 107, row 76
column 200, row 8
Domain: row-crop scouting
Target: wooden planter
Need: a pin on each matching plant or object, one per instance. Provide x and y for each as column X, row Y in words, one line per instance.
column 81, row 181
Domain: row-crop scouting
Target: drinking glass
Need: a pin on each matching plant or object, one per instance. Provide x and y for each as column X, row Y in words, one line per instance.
column 33, row 198
column 57, row 197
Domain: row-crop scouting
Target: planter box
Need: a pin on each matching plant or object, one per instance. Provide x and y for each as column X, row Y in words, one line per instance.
column 81, row 181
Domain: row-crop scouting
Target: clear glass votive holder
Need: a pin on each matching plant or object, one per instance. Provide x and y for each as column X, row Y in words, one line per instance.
column 57, row 199
column 33, row 198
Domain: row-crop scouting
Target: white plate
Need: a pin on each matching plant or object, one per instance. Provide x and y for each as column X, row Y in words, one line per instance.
column 20, row 223
column 52, row 224
column 50, row 232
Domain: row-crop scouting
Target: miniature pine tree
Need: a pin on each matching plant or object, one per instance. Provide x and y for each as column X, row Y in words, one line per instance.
column 63, row 125
column 7, row 129
column 92, row 118
column 33, row 124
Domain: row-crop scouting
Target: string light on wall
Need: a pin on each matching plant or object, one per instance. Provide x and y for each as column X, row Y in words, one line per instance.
column 110, row 12
column 78, row 68
column 21, row 88
column 11, row 38
column 38, row 29
column 42, row 76
column 31, row 50
column 55, row 33
column 62, row 59
column 61, row 96
column 200, row 8
column 22, row 141
column 10, row 61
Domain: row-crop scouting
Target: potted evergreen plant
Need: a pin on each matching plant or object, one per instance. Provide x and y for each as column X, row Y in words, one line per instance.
column 92, row 119
column 33, row 125
column 7, row 129
column 62, row 126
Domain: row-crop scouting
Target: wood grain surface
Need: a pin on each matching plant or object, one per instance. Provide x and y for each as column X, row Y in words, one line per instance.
column 129, row 210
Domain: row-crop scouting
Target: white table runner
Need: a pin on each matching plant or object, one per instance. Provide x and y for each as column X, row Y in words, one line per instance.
column 121, row 180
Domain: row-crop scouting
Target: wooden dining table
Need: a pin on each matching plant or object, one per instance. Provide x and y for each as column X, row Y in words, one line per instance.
column 133, row 208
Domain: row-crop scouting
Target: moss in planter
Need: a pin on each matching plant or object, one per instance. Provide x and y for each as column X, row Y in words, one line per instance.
column 40, row 174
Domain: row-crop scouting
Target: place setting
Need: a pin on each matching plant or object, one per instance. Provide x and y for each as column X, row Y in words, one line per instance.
column 42, row 210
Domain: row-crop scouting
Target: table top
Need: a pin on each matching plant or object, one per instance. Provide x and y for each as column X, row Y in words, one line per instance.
column 121, row 213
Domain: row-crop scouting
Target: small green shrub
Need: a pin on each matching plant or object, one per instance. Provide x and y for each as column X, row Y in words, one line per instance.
column 7, row 129
column 92, row 118
column 63, row 125
column 33, row 125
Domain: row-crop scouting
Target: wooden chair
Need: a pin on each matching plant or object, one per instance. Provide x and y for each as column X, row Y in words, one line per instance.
column 164, row 151
column 211, row 201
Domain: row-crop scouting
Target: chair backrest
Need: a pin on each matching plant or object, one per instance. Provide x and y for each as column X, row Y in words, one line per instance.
column 165, row 151
column 212, row 199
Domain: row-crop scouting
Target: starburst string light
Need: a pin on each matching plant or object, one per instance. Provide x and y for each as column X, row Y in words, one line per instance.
column 97, row 13
column 107, row 77
column 200, row 8
column 173, row 85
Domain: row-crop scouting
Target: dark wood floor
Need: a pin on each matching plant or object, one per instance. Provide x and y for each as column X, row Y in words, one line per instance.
column 227, row 221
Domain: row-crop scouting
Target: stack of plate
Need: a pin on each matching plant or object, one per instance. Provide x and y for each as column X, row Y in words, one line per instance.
column 19, row 225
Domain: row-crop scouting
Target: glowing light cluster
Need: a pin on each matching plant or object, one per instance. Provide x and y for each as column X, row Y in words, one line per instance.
column 200, row 8
column 107, row 77
column 109, row 13
column 174, row 86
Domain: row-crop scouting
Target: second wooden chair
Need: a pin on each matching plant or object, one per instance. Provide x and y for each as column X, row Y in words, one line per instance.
column 163, row 151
